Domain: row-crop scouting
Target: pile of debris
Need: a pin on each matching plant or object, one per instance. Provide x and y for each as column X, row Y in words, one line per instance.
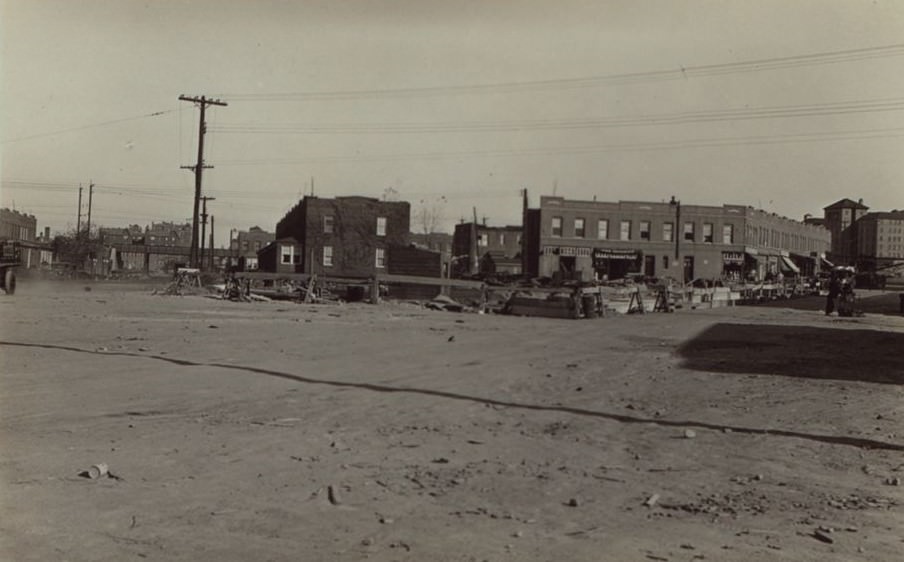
column 185, row 281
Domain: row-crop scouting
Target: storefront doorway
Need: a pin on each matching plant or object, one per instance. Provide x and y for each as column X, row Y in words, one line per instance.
column 688, row 269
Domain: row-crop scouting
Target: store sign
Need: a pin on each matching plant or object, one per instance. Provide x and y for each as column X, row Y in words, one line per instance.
column 566, row 251
column 733, row 258
column 610, row 254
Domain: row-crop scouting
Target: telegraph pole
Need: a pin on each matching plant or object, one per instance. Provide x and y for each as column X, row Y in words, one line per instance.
column 204, row 201
column 210, row 258
column 78, row 224
column 198, row 168
column 90, row 196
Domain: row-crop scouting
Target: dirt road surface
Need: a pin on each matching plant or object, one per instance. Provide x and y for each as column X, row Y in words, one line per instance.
column 278, row 431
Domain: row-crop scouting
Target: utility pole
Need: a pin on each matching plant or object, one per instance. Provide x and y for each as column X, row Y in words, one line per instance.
column 210, row 259
column 78, row 224
column 90, row 197
column 204, row 201
column 198, row 168
column 473, row 267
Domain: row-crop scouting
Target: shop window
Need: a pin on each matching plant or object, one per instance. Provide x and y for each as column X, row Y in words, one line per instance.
column 668, row 232
column 689, row 231
column 328, row 224
column 602, row 229
column 381, row 226
column 327, row 256
column 644, row 230
column 708, row 232
column 557, row 226
column 625, row 230
column 579, row 228
column 381, row 258
column 728, row 234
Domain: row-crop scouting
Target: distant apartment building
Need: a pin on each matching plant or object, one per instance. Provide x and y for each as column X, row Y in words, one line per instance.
column 612, row 240
column 349, row 236
column 478, row 248
column 879, row 239
column 168, row 234
column 132, row 234
column 839, row 218
column 22, row 228
column 245, row 245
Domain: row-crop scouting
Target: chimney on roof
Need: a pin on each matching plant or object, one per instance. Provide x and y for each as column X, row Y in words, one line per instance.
column 860, row 201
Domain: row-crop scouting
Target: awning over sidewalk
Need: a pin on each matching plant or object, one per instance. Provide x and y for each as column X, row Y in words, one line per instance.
column 789, row 265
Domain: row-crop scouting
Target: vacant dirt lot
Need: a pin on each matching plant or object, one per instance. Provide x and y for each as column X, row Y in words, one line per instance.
column 278, row 431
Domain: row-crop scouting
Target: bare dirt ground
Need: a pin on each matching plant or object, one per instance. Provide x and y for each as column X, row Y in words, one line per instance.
column 278, row 431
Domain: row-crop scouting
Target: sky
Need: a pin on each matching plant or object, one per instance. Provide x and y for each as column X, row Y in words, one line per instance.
column 451, row 106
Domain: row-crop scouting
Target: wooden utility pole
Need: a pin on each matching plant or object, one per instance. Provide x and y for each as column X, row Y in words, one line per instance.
column 204, row 201
column 198, row 168
column 90, row 197
column 210, row 259
column 473, row 265
column 78, row 224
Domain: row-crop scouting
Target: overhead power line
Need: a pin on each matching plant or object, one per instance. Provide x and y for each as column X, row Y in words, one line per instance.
column 757, row 65
column 637, row 147
column 681, row 118
column 89, row 126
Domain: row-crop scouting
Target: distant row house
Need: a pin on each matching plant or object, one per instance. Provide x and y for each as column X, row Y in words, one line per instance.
column 34, row 251
column 611, row 240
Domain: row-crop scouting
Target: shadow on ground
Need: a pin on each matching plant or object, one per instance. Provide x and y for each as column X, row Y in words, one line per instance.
column 798, row 351
column 868, row 302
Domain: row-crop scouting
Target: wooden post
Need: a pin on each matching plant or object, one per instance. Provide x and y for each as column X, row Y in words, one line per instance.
column 375, row 291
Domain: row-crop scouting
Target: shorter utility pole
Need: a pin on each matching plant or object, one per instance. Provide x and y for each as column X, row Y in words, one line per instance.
column 90, row 197
column 210, row 260
column 78, row 224
column 204, row 201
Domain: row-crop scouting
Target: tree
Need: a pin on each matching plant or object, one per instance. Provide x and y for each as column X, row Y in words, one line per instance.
column 428, row 217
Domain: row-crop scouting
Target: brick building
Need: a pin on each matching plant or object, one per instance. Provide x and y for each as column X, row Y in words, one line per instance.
column 22, row 228
column 346, row 236
column 611, row 240
column 479, row 248
column 245, row 245
column 839, row 218
column 879, row 239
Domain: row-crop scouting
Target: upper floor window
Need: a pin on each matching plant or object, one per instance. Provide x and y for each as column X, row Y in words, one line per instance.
column 602, row 229
column 668, row 232
column 689, row 231
column 381, row 226
column 644, row 230
column 286, row 254
column 327, row 224
column 625, row 230
column 579, row 228
column 557, row 226
column 708, row 232
column 727, row 234
column 381, row 258
column 502, row 239
column 483, row 239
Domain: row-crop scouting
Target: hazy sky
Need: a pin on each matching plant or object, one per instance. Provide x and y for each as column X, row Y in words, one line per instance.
column 787, row 105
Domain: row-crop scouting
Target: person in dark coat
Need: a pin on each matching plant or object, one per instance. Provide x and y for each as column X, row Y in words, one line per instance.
column 834, row 291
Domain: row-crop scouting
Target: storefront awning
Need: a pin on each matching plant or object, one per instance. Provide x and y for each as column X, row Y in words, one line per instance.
column 789, row 265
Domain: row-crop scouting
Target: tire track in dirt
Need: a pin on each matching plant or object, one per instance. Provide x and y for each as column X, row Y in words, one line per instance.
column 830, row 439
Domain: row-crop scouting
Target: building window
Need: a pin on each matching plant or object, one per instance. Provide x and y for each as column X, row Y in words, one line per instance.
column 381, row 258
column 665, row 262
column 689, row 231
column 285, row 253
column 644, row 230
column 668, row 231
column 625, row 230
column 708, row 232
column 483, row 239
column 327, row 256
column 727, row 234
column 381, row 226
column 557, row 226
column 602, row 229
column 327, row 224
column 502, row 239
column 579, row 231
